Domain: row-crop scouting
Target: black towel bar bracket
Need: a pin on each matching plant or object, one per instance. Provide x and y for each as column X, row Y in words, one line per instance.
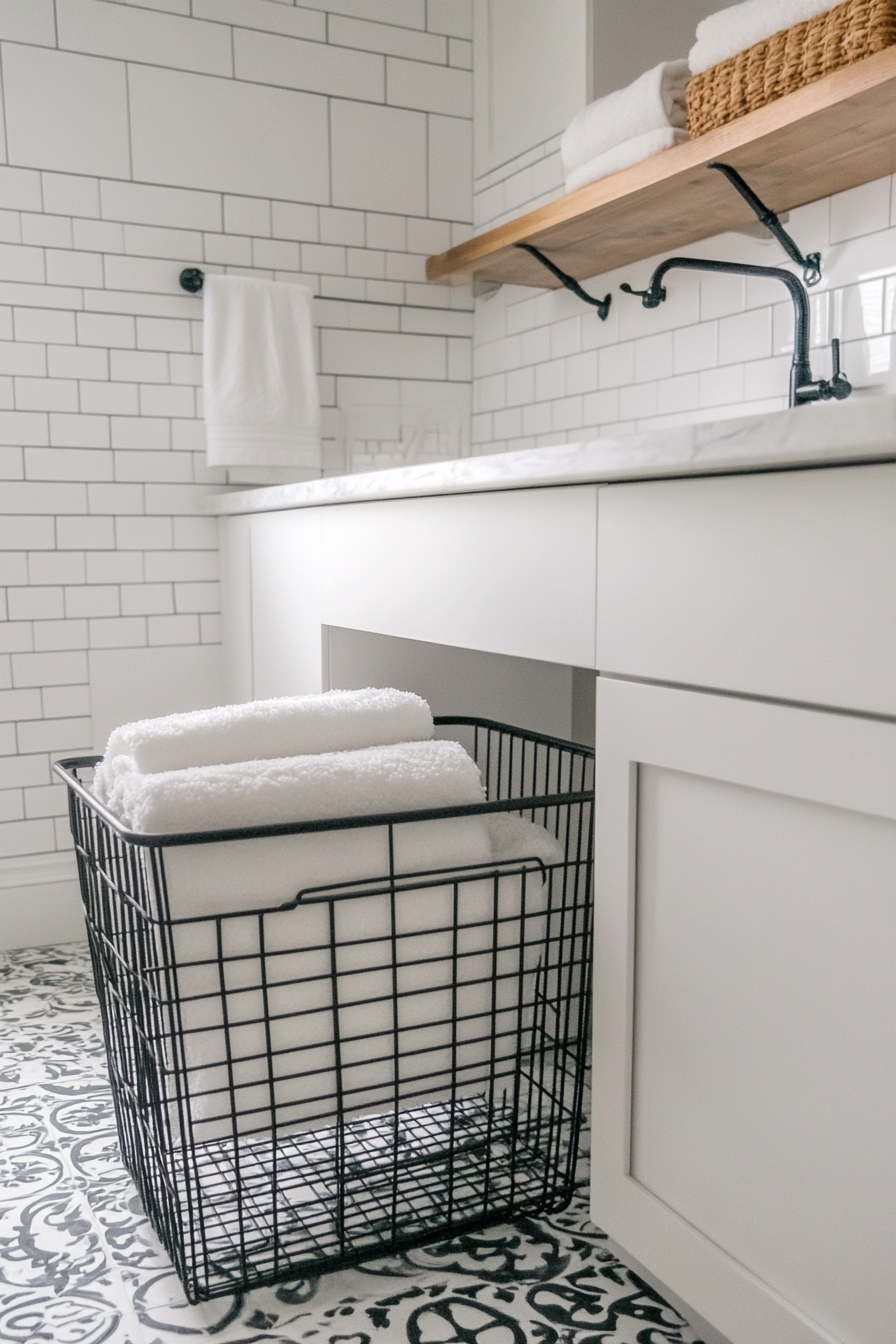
column 192, row 279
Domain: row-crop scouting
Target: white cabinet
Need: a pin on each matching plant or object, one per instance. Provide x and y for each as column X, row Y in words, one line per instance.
column 745, row 859
column 479, row 571
column 530, row 74
column 745, row 898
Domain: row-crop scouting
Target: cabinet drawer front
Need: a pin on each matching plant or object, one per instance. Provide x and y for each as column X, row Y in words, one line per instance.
column 780, row 585
column 507, row 572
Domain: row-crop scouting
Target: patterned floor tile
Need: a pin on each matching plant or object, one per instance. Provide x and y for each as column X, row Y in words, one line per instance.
column 80, row 1263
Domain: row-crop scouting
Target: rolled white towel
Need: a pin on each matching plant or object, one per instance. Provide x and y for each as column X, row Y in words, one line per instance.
column 739, row 27
column 654, row 102
column 624, row 156
column 299, row 725
column 251, row 874
column 392, row 778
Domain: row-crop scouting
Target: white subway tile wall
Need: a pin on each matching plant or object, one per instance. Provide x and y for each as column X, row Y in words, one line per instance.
column 547, row 370
column 326, row 142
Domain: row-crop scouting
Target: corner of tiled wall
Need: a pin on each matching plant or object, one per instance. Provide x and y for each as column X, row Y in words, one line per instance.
column 326, row 142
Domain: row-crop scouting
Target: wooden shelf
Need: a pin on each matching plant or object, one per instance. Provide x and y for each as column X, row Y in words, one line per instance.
column 834, row 134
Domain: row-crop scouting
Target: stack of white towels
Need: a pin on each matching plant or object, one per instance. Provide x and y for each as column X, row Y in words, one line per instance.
column 627, row 126
column 297, row 759
column 650, row 115
column 314, row 758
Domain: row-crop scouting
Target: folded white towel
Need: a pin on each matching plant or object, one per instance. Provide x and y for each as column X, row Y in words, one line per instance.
column 654, row 102
column 299, row 725
column 624, row 156
column 260, row 394
column 279, row 994
column 211, row 879
column 512, row 837
column 739, row 27
column 258, row 874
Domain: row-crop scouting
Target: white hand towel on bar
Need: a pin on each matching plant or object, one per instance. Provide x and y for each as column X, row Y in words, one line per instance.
column 624, row 156
column 654, row 102
column 262, row 407
column 297, row 725
column 739, row 27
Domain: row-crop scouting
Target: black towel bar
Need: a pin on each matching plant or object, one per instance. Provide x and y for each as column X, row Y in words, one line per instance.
column 192, row 279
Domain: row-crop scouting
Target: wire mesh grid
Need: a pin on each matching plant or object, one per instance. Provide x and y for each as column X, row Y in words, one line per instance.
column 371, row 1065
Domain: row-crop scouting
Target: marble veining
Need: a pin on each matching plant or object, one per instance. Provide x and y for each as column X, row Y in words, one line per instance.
column 80, row 1264
column 859, row 430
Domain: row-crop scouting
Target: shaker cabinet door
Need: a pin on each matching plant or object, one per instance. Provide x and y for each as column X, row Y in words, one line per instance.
column 745, row 1009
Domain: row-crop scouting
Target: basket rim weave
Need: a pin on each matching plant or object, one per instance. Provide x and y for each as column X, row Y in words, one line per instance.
column 789, row 60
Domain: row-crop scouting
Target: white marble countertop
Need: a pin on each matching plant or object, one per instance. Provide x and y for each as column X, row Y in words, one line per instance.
column 862, row 429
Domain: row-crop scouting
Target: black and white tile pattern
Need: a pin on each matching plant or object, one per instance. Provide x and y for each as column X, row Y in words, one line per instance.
column 79, row 1263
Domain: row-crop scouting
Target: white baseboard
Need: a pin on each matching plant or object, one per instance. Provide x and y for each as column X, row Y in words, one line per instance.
column 41, row 914
column 29, row 870
column 40, row 901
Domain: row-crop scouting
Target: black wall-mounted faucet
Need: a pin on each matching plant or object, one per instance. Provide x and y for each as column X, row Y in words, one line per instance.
column 803, row 388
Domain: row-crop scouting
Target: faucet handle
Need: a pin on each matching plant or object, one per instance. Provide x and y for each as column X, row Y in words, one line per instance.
column 651, row 298
column 838, row 385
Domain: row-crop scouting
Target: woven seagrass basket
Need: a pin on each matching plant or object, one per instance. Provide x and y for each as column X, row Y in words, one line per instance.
column 789, row 60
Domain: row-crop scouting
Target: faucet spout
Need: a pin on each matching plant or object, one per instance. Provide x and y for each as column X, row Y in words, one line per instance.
column 802, row 387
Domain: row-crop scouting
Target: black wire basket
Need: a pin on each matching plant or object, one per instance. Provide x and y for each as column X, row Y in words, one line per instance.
column 369, row 1065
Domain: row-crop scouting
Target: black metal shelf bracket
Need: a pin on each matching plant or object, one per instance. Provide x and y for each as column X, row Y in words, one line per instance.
column 602, row 305
column 811, row 262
